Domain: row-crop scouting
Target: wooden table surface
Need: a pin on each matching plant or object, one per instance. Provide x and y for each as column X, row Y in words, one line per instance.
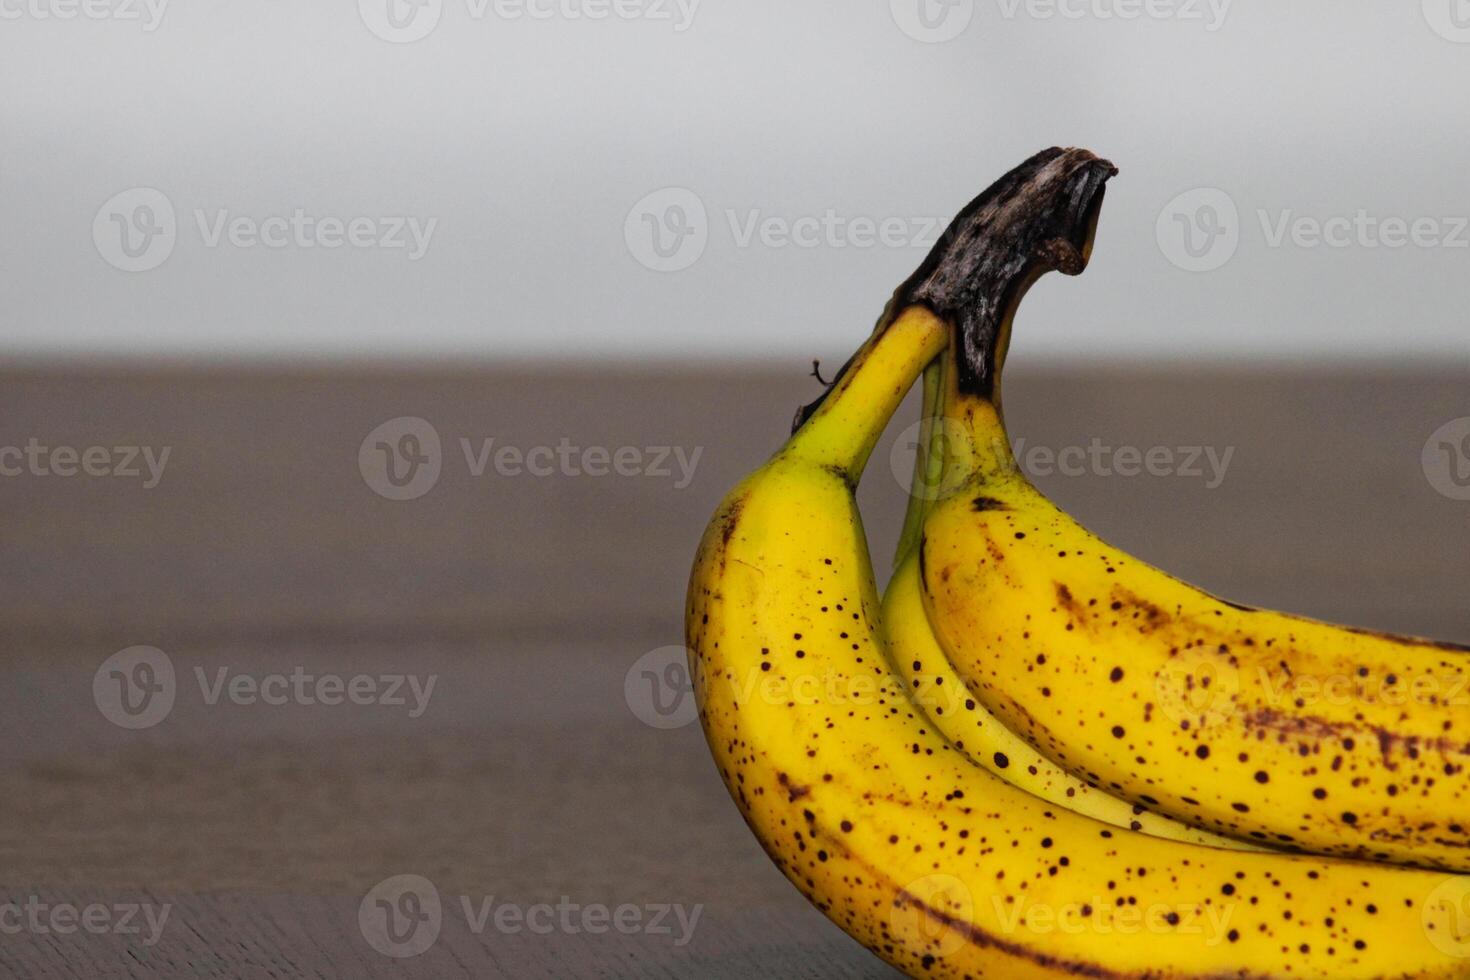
column 529, row 778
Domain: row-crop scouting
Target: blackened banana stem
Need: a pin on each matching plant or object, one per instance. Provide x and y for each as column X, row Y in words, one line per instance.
column 1040, row 216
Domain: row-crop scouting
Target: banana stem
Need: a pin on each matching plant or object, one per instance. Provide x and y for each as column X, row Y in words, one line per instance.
column 928, row 461
column 977, row 448
column 1040, row 216
column 841, row 431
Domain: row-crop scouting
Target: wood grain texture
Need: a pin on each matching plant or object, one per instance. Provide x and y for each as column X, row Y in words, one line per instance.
column 528, row 776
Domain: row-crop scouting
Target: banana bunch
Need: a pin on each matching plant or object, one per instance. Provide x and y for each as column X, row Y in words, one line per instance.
column 1037, row 757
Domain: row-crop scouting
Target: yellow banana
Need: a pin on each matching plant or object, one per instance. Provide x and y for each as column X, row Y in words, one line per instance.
column 915, row 655
column 936, row 865
column 1259, row 725
column 933, row 683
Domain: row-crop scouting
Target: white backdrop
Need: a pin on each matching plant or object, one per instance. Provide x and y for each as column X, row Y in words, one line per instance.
column 710, row 178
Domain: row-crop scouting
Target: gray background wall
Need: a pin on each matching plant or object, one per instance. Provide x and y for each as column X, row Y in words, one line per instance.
column 533, row 135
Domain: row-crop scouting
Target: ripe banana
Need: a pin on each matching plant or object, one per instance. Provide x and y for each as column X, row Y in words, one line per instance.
column 915, row 655
column 1258, row 725
column 936, row 865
